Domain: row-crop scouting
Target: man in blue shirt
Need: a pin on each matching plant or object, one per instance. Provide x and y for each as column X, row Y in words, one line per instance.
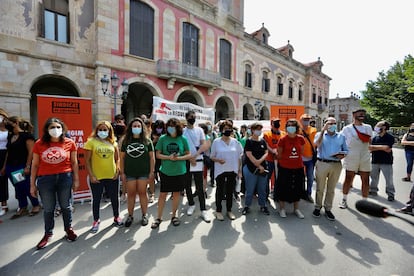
column 382, row 159
column 331, row 147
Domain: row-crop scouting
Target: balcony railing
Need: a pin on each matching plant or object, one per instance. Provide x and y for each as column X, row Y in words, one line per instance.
column 169, row 69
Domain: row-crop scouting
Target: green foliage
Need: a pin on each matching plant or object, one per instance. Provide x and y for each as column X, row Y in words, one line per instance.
column 391, row 96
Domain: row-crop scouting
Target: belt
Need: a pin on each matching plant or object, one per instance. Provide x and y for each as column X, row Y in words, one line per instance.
column 329, row 161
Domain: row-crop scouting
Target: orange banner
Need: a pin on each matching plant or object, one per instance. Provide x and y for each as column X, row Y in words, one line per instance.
column 286, row 112
column 76, row 113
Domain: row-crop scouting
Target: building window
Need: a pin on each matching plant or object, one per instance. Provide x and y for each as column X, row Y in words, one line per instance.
column 55, row 20
column 279, row 86
column 300, row 93
column 313, row 95
column 290, row 90
column 225, row 59
column 248, row 76
column 141, row 30
column 190, row 44
column 265, row 82
column 264, row 38
column 326, row 101
column 320, row 97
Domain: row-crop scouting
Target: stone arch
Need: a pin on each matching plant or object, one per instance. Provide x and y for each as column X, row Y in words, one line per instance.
column 190, row 94
column 248, row 112
column 224, row 108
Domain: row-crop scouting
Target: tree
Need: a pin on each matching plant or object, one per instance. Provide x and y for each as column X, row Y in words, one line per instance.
column 391, row 96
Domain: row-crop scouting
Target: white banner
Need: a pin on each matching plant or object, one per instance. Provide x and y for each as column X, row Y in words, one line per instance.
column 164, row 110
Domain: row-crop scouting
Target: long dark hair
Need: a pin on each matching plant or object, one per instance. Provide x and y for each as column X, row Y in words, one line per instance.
column 143, row 137
column 46, row 138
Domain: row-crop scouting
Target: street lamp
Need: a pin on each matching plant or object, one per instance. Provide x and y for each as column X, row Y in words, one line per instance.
column 115, row 84
column 258, row 106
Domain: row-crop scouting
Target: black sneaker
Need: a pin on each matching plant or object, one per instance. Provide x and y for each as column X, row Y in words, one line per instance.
column 144, row 220
column 391, row 198
column 264, row 210
column 316, row 213
column 245, row 211
column 129, row 221
column 373, row 193
column 329, row 215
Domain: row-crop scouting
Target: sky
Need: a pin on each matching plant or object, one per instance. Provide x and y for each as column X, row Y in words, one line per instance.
column 355, row 39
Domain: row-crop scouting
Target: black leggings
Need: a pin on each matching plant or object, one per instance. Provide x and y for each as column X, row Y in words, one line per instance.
column 225, row 186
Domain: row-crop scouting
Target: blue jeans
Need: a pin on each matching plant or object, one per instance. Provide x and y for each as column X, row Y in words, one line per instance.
column 409, row 156
column 253, row 182
column 309, row 168
column 22, row 188
column 112, row 190
column 51, row 187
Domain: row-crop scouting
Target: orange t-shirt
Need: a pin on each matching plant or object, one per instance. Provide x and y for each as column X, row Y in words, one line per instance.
column 272, row 139
column 311, row 132
column 54, row 158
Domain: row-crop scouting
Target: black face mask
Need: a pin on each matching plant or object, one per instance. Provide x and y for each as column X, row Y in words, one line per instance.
column 119, row 130
column 9, row 127
column 191, row 121
column 411, row 130
column 227, row 132
column 276, row 124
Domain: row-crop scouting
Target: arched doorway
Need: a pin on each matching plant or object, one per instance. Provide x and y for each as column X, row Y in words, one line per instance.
column 264, row 113
column 248, row 112
column 190, row 97
column 138, row 101
column 224, row 109
column 49, row 85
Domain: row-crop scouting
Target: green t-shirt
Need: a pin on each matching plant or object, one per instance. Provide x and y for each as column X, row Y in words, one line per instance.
column 102, row 158
column 168, row 145
column 137, row 159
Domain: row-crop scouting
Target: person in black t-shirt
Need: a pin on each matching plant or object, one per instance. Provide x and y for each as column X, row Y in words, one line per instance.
column 408, row 142
column 382, row 159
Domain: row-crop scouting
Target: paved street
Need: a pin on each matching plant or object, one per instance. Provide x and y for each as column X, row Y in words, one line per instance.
column 354, row 244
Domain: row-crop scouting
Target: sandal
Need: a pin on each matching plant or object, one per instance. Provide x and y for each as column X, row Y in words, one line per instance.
column 175, row 221
column 21, row 212
column 156, row 223
column 35, row 211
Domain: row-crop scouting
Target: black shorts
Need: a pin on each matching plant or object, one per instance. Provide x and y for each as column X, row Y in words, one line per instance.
column 173, row 183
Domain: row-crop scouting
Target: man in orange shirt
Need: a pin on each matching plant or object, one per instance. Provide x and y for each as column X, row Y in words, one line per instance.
column 308, row 133
column 272, row 138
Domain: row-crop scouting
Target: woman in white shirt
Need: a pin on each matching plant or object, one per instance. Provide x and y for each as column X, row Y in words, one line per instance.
column 4, row 185
column 226, row 152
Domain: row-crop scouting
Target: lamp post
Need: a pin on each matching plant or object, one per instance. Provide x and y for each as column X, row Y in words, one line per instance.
column 115, row 84
column 258, row 106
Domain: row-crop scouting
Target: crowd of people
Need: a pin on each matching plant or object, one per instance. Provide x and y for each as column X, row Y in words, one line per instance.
column 124, row 161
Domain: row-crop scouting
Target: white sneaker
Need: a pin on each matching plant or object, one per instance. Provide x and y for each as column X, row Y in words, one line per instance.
column 219, row 216
column 2, row 212
column 282, row 213
column 205, row 216
column 190, row 210
column 343, row 204
column 299, row 214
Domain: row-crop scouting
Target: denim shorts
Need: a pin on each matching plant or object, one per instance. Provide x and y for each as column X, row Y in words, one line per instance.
column 132, row 178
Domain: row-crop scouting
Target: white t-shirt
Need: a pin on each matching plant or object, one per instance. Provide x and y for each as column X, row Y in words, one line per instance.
column 3, row 139
column 231, row 153
column 195, row 137
column 351, row 136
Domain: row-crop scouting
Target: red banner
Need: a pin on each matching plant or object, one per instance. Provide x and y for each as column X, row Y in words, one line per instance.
column 76, row 113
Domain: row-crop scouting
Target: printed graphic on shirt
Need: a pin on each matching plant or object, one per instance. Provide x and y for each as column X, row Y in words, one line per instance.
column 294, row 153
column 135, row 150
column 54, row 155
column 173, row 148
column 104, row 152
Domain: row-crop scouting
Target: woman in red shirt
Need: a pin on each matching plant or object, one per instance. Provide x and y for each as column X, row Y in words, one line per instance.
column 290, row 183
column 55, row 167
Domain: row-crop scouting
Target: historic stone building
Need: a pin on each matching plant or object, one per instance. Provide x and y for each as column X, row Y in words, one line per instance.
column 181, row 50
column 341, row 109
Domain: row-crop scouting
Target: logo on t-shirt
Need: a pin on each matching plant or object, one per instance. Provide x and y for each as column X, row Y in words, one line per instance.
column 54, row 155
column 173, row 148
column 294, row 153
column 135, row 150
column 104, row 152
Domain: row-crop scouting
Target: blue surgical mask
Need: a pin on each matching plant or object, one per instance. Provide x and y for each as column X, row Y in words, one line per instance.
column 332, row 128
column 103, row 134
column 136, row 130
column 377, row 130
column 171, row 130
column 291, row 129
column 258, row 132
column 249, row 131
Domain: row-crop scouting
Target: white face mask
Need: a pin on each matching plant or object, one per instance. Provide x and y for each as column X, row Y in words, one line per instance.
column 103, row 134
column 55, row 132
column 258, row 132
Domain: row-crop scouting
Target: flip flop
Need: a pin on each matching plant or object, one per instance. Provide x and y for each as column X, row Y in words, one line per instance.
column 35, row 210
column 156, row 223
column 175, row 221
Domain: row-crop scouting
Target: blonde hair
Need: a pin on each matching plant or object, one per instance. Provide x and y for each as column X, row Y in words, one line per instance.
column 111, row 136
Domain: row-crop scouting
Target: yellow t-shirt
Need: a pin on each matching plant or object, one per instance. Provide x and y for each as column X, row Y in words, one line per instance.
column 102, row 158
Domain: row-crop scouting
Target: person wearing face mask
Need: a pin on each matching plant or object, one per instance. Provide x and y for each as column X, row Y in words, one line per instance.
column 137, row 167
column 309, row 152
column 272, row 138
column 290, row 183
column 18, row 163
column 226, row 152
column 255, row 169
column 382, row 159
column 408, row 142
column 4, row 185
column 331, row 148
column 358, row 160
column 197, row 142
column 173, row 151
column 102, row 164
column 54, row 175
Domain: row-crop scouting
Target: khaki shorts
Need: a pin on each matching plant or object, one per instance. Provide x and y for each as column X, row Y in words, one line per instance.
column 358, row 161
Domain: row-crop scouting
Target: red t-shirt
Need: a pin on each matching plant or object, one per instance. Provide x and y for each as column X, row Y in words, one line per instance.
column 54, row 158
column 291, row 154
